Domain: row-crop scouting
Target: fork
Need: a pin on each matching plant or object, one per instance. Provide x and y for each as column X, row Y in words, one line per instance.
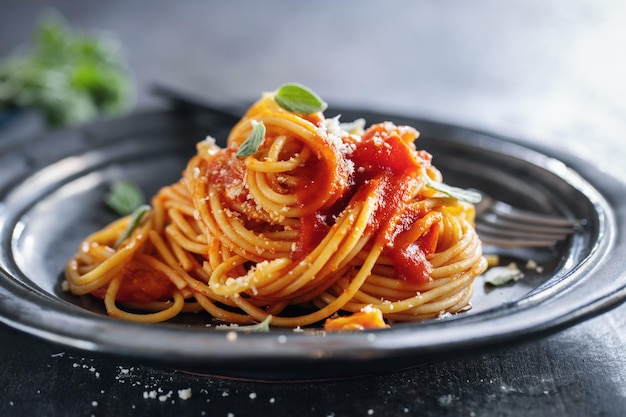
column 500, row 224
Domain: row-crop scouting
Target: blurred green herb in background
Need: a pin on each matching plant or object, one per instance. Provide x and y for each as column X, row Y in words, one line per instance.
column 124, row 197
column 70, row 77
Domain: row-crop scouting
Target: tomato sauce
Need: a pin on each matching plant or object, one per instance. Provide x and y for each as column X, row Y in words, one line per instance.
column 387, row 165
column 142, row 286
column 313, row 228
column 226, row 169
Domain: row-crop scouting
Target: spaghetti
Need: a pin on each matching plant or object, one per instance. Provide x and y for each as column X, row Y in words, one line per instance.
column 317, row 221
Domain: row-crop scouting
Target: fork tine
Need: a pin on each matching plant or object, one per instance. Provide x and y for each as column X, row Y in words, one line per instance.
column 516, row 243
column 498, row 235
column 527, row 225
column 509, row 212
column 503, row 225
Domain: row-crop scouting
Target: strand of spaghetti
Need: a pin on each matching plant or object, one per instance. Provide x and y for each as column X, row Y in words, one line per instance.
column 466, row 250
column 215, row 255
column 179, row 218
column 218, row 254
column 110, row 267
column 251, row 210
column 218, row 224
column 157, row 217
column 182, row 255
column 266, row 189
column 89, row 257
column 325, row 191
column 299, row 152
column 166, row 314
column 450, row 233
column 280, row 204
column 287, row 235
column 461, row 265
column 389, row 281
column 180, row 274
column 266, row 272
column 272, row 166
column 269, row 242
column 109, row 234
column 308, row 269
column 418, row 228
column 437, row 288
column 338, row 303
column 331, row 251
column 316, row 287
column 99, row 278
column 222, row 314
column 276, row 204
column 272, row 163
column 433, row 310
column 92, row 254
column 183, row 241
column 190, row 262
column 419, row 304
column 386, row 293
column 175, row 194
column 259, row 314
column 253, row 311
column 156, row 306
column 179, row 277
column 453, row 303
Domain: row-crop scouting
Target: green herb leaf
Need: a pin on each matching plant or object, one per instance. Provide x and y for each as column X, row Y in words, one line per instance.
column 135, row 221
column 263, row 326
column 500, row 275
column 254, row 140
column 124, row 197
column 68, row 76
column 299, row 99
column 461, row 194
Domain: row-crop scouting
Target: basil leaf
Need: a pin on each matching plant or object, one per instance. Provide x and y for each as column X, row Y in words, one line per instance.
column 469, row 196
column 299, row 99
column 68, row 76
column 263, row 326
column 500, row 275
column 124, row 197
column 132, row 224
column 254, row 140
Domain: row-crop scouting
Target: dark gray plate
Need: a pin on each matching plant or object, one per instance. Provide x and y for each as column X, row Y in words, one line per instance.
column 51, row 196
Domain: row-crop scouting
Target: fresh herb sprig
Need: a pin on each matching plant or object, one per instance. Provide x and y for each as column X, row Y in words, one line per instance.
column 461, row 194
column 134, row 222
column 68, row 76
column 251, row 145
column 297, row 98
column 263, row 326
column 124, row 197
column 292, row 97
column 501, row 275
